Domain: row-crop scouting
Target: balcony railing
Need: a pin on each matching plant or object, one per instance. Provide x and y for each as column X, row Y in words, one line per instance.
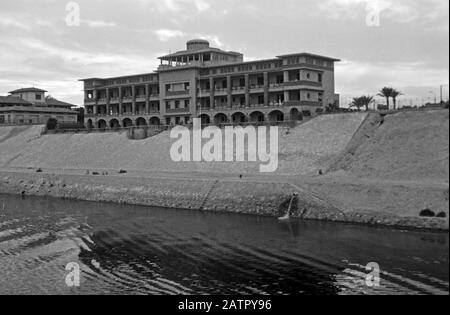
column 303, row 103
column 176, row 93
column 178, row 110
column 303, row 82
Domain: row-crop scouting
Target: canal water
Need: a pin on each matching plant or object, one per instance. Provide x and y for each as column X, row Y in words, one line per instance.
column 140, row 250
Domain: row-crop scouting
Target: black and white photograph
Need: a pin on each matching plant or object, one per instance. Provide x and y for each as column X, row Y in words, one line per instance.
column 226, row 155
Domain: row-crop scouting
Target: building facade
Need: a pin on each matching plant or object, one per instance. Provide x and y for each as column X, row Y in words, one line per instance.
column 30, row 106
column 214, row 85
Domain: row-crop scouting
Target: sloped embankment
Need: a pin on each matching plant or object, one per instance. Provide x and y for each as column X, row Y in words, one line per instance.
column 407, row 146
column 307, row 148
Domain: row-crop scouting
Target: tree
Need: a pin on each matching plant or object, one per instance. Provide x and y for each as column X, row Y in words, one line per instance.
column 366, row 101
column 52, row 123
column 394, row 95
column 357, row 102
column 387, row 93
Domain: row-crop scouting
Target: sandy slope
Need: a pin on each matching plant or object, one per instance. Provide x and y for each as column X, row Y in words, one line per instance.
column 412, row 146
column 306, row 149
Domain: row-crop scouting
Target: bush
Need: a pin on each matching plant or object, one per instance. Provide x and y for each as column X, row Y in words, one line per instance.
column 51, row 124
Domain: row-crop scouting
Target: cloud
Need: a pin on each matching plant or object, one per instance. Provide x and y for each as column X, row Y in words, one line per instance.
column 199, row 6
column 356, row 78
column 99, row 23
column 7, row 21
column 165, row 35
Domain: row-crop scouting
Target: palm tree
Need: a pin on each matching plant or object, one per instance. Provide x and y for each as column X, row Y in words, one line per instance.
column 394, row 95
column 357, row 102
column 366, row 101
column 387, row 93
column 363, row 101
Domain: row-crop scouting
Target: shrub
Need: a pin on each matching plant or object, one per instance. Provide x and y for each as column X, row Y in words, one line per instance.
column 51, row 124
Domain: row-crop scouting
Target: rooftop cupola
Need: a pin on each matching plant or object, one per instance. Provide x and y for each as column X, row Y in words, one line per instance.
column 197, row 44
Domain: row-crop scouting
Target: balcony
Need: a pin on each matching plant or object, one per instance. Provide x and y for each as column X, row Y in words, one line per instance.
column 276, row 87
column 101, row 101
column 220, row 92
column 257, row 89
column 238, row 90
column 177, row 93
column 204, row 92
column 128, row 98
column 302, row 83
column 303, row 103
column 203, row 108
column 185, row 110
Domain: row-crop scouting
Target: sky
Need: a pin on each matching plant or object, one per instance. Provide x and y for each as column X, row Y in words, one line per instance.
column 399, row 43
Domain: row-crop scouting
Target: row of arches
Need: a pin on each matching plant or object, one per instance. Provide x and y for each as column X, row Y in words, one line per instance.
column 254, row 117
column 206, row 119
column 127, row 122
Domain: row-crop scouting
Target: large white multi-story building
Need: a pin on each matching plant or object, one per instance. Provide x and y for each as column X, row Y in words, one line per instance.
column 214, row 85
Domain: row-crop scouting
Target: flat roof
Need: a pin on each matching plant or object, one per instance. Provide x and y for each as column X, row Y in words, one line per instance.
column 237, row 63
column 120, row 77
column 309, row 55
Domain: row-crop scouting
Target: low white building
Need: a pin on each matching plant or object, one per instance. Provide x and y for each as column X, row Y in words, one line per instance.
column 30, row 106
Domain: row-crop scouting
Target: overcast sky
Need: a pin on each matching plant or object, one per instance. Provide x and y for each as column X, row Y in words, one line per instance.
column 408, row 50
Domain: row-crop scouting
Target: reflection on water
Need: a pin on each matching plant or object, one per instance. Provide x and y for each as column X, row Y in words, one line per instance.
column 140, row 250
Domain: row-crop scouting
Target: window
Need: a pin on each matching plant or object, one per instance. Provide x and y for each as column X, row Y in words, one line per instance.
column 38, row 97
column 167, row 105
column 260, row 99
column 308, row 76
column 187, row 119
column 308, row 95
column 280, row 79
column 186, row 104
column 2, row 119
column 177, row 104
column 186, row 86
column 320, row 77
column 260, row 80
column 168, row 87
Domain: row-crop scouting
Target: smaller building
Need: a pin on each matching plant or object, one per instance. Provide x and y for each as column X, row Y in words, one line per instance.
column 30, row 106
